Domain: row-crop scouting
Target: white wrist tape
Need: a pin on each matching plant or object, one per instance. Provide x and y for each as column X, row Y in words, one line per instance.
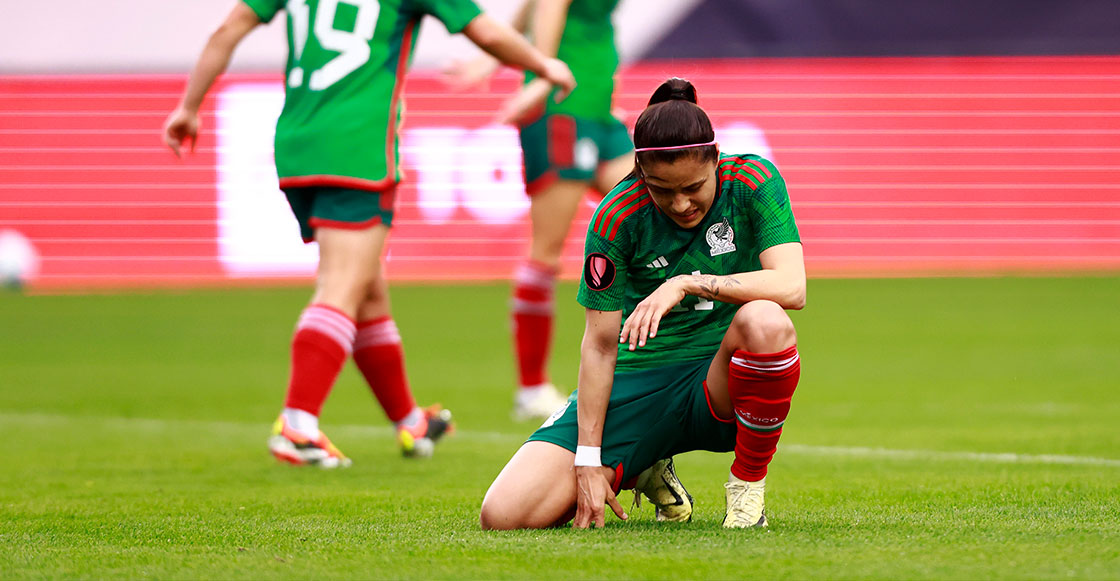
column 588, row 456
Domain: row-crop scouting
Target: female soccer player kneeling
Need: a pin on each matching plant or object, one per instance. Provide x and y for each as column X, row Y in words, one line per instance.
column 699, row 254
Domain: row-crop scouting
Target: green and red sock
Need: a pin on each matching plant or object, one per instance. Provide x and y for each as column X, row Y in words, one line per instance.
column 761, row 386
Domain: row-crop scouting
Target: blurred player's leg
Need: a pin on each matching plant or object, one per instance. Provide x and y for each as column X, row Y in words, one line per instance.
column 379, row 355
column 551, row 212
column 324, row 339
column 753, row 378
column 613, row 171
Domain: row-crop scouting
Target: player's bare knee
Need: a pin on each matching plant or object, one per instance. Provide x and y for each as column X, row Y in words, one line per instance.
column 490, row 518
column 497, row 515
column 764, row 327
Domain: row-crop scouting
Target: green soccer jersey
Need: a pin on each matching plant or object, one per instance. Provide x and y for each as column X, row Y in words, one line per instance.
column 346, row 65
column 632, row 248
column 587, row 47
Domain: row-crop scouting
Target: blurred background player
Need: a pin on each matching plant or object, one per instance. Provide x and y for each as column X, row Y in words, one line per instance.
column 338, row 164
column 568, row 147
column 699, row 253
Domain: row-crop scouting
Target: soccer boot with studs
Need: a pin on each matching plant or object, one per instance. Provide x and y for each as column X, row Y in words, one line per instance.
column 419, row 440
column 659, row 484
column 290, row 446
column 745, row 503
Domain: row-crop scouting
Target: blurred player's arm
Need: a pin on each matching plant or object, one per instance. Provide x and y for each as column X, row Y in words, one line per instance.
column 509, row 47
column 475, row 72
column 183, row 123
column 598, row 355
column 782, row 280
column 549, row 17
column 520, row 21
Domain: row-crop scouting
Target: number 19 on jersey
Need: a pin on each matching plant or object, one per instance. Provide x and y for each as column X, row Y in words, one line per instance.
column 352, row 46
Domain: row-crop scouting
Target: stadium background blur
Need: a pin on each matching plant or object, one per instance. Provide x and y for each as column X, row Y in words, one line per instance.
column 917, row 140
column 952, row 422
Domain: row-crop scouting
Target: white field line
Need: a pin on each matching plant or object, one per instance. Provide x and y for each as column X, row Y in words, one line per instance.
column 935, row 455
column 382, row 431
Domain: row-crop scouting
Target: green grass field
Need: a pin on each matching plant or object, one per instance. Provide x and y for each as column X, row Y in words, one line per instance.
column 943, row 429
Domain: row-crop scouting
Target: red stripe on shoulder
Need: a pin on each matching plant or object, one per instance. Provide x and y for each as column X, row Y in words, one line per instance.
column 609, row 209
column 746, row 180
column 635, row 198
column 760, row 166
column 737, row 166
column 614, row 230
column 753, row 172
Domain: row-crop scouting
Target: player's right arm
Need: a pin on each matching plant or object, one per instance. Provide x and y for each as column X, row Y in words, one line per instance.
column 182, row 124
column 598, row 354
column 607, row 251
column 509, row 47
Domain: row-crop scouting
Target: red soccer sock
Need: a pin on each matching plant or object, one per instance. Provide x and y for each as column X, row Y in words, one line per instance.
column 323, row 339
column 532, row 321
column 380, row 357
column 761, row 386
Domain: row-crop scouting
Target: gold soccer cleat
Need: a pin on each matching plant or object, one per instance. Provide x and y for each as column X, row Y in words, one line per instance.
column 659, row 483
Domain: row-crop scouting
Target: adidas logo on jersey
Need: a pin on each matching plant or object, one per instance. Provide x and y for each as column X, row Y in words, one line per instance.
column 659, row 263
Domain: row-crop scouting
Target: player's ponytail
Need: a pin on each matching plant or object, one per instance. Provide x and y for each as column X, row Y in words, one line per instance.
column 673, row 89
column 673, row 126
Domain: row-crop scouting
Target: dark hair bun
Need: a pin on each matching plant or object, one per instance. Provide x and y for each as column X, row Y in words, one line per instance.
column 674, row 90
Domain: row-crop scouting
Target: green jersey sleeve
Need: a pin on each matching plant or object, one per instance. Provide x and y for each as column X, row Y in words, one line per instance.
column 266, row 9
column 603, row 284
column 771, row 215
column 454, row 14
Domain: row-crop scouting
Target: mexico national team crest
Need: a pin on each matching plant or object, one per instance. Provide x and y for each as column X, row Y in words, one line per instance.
column 598, row 271
column 721, row 238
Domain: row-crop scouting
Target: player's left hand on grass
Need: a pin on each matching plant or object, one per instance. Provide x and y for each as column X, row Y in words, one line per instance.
column 593, row 492
column 642, row 324
column 180, row 126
